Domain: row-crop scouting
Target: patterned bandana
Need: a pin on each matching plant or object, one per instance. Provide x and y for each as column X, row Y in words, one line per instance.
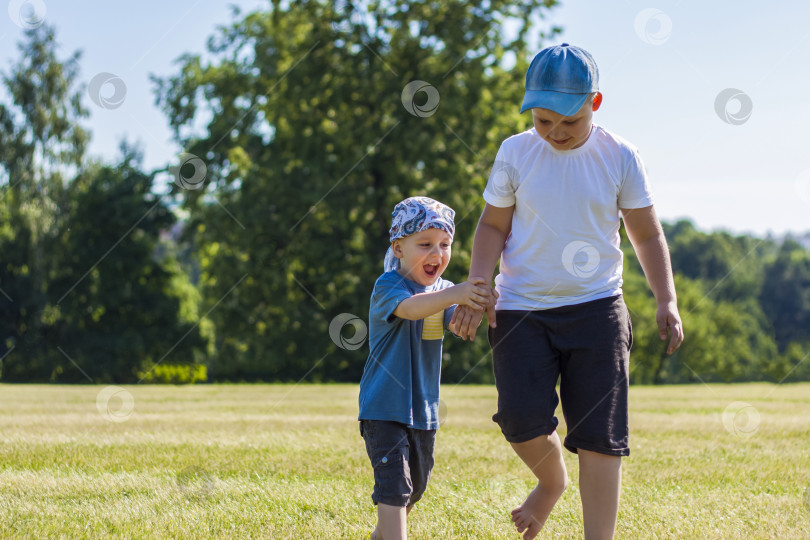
column 414, row 215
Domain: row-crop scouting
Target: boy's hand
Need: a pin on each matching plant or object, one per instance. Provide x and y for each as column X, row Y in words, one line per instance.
column 668, row 319
column 465, row 320
column 473, row 293
column 493, row 299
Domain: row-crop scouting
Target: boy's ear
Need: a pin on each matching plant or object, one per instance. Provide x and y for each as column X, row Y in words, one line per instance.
column 396, row 248
column 597, row 101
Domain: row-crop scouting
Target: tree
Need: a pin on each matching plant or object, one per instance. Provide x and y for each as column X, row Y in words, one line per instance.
column 731, row 264
column 722, row 342
column 41, row 142
column 785, row 296
column 315, row 127
column 123, row 309
column 84, row 293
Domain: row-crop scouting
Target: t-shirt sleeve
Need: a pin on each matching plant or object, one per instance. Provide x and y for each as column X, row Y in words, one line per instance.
column 635, row 190
column 503, row 181
column 388, row 293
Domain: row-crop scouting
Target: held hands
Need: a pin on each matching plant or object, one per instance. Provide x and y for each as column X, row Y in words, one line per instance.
column 473, row 293
column 466, row 317
column 669, row 320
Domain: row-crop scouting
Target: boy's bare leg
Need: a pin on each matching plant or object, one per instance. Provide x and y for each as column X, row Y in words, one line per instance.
column 543, row 455
column 391, row 522
column 600, row 483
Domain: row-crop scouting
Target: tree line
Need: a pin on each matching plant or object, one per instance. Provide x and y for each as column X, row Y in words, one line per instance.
column 299, row 135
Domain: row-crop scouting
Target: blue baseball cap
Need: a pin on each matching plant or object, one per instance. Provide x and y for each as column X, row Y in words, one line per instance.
column 560, row 78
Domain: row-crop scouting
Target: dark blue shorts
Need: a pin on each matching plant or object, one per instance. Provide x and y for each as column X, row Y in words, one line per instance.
column 402, row 458
column 586, row 346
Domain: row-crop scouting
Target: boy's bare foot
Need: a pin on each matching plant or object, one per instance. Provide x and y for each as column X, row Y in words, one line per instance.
column 543, row 455
column 524, row 516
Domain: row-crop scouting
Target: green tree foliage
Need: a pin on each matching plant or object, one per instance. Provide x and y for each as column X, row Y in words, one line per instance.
column 733, row 264
column 723, row 343
column 84, row 295
column 299, row 117
column 738, row 301
column 41, row 141
column 785, row 295
column 122, row 305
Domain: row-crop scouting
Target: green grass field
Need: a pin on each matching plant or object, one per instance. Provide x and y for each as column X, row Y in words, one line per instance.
column 287, row 461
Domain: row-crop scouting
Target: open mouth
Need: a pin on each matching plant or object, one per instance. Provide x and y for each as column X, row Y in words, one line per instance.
column 430, row 269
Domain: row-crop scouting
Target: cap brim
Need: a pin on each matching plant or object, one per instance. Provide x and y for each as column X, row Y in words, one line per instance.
column 559, row 102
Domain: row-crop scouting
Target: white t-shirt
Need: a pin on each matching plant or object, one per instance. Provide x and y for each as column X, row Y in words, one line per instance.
column 564, row 246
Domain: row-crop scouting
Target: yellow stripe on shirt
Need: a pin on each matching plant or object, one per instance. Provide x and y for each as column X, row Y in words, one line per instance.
column 433, row 326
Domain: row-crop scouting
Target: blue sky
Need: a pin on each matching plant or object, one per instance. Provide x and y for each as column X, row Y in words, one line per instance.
column 740, row 165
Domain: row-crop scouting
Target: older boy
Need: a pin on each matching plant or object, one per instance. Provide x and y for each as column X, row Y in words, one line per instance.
column 552, row 216
column 410, row 307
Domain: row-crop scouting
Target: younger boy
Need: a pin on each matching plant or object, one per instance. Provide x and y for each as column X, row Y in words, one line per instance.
column 411, row 305
column 552, row 216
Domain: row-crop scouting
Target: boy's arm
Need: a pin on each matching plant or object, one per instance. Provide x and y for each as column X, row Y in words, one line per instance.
column 645, row 233
column 490, row 237
column 473, row 293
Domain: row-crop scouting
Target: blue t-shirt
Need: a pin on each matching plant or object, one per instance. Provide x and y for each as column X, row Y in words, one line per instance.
column 401, row 379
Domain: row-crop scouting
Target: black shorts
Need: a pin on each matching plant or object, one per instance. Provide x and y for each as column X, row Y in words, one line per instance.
column 402, row 458
column 588, row 347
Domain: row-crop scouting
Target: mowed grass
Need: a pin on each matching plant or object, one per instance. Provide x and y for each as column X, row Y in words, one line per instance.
column 287, row 461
